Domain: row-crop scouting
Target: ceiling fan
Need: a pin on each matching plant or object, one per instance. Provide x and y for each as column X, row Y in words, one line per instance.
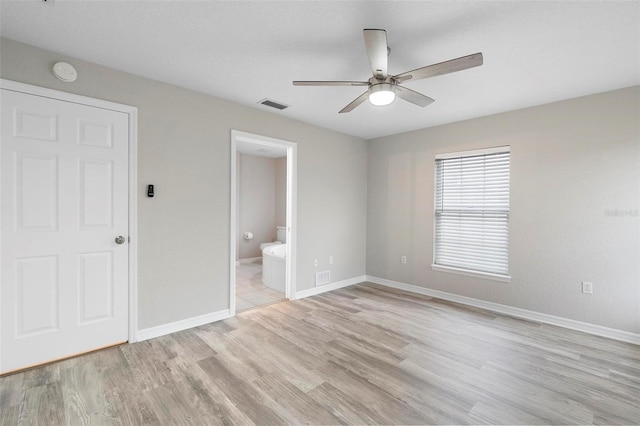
column 383, row 88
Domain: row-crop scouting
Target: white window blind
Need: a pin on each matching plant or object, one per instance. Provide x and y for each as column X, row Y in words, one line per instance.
column 472, row 211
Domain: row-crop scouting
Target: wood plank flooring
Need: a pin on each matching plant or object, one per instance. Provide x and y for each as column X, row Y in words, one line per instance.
column 360, row 355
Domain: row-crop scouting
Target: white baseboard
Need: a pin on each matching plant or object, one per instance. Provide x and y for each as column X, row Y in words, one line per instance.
column 161, row 330
column 611, row 333
column 329, row 287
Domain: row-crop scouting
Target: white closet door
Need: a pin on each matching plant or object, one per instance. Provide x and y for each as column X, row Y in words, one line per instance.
column 64, row 182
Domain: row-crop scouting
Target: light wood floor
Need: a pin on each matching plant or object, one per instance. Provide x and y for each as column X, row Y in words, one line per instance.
column 363, row 354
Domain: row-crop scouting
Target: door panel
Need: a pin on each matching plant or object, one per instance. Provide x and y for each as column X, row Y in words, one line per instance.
column 96, row 194
column 96, row 286
column 37, row 192
column 64, row 180
column 95, row 134
column 31, row 124
column 36, row 304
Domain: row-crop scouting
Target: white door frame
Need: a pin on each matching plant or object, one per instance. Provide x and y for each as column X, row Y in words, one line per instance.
column 132, row 112
column 291, row 210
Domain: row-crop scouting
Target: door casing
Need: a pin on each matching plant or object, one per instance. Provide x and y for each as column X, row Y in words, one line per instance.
column 291, row 211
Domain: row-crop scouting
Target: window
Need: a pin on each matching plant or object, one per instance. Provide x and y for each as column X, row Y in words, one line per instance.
column 472, row 213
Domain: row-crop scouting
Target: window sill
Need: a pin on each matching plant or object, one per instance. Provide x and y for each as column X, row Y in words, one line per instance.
column 485, row 275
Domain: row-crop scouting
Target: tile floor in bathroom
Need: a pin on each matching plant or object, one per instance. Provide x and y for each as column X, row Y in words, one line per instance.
column 250, row 291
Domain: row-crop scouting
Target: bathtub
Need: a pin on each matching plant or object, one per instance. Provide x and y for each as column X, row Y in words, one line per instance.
column 274, row 266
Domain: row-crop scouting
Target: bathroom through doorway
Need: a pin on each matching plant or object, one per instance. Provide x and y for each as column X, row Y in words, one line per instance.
column 262, row 249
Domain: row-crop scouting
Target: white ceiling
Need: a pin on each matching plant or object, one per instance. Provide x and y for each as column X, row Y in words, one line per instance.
column 260, row 150
column 534, row 52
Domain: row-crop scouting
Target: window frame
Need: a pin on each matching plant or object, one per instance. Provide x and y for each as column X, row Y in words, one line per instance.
column 457, row 270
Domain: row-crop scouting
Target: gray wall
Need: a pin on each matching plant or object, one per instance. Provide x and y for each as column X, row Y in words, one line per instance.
column 184, row 149
column 573, row 164
column 281, row 192
column 257, row 195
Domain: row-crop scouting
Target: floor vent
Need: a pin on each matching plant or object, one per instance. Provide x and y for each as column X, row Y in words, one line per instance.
column 273, row 104
column 323, row 277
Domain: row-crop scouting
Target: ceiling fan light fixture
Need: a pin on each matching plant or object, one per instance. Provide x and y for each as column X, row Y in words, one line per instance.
column 381, row 94
column 383, row 87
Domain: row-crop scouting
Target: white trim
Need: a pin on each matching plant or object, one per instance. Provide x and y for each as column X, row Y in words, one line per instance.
column 173, row 327
column 470, row 153
column 132, row 112
column 64, row 96
column 467, row 272
column 330, row 287
column 291, row 215
column 233, row 227
column 597, row 330
column 292, row 220
column 133, row 225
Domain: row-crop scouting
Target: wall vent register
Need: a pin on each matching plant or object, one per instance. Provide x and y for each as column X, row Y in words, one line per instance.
column 323, row 277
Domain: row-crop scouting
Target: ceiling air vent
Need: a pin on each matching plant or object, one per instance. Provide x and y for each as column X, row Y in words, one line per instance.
column 273, row 104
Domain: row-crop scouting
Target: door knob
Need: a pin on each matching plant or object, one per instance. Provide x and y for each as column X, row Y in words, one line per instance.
column 120, row 239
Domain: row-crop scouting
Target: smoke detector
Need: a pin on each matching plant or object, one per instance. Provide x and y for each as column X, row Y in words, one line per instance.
column 65, row 72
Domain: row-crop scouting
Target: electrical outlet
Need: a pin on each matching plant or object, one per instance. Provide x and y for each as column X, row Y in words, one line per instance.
column 330, row 260
column 315, row 262
column 403, row 259
column 587, row 287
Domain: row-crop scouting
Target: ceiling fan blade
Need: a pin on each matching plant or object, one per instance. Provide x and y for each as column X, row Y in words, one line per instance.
column 357, row 101
column 446, row 67
column 375, row 41
column 413, row 96
column 330, row 83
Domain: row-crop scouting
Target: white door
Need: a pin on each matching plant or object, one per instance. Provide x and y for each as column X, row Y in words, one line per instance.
column 64, row 200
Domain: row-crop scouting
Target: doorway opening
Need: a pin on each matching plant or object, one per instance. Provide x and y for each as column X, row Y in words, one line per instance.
column 263, row 221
